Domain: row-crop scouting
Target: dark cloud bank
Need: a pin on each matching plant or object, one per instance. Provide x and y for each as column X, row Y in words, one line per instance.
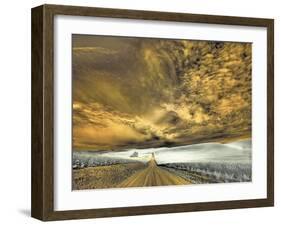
column 139, row 92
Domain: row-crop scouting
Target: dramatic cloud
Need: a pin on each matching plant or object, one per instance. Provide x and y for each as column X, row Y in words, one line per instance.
column 139, row 92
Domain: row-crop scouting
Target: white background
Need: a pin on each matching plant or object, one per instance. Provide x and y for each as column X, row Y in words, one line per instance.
column 66, row 199
column 15, row 112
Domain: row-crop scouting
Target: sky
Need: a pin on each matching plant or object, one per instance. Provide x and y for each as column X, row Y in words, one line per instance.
column 149, row 93
column 232, row 152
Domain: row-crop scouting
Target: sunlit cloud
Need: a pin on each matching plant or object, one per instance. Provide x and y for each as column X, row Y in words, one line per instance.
column 139, row 93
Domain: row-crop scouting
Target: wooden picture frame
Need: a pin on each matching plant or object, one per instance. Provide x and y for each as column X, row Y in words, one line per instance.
column 43, row 112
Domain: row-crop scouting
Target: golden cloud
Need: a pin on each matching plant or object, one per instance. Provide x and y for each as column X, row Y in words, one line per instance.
column 139, row 92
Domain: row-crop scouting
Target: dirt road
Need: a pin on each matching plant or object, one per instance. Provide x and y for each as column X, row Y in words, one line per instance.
column 153, row 175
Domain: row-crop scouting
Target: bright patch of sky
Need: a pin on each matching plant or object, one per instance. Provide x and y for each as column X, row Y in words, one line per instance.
column 235, row 152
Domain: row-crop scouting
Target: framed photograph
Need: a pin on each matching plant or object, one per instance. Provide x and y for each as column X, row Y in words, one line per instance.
column 141, row 112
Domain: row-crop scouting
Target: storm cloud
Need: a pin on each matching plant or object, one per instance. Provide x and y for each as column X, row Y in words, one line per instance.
column 145, row 92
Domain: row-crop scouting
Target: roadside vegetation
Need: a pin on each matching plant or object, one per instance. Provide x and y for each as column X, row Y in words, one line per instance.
column 201, row 172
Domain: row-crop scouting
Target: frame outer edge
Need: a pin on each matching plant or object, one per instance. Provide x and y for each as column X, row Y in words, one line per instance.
column 270, row 112
column 37, row 188
column 48, row 105
column 42, row 205
column 156, row 15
